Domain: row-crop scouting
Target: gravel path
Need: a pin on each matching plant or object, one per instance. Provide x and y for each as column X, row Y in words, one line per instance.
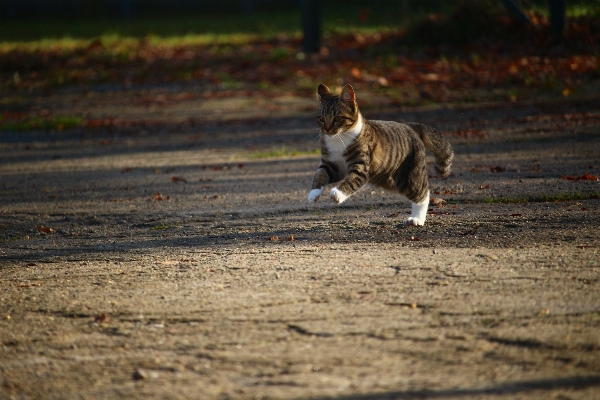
column 169, row 258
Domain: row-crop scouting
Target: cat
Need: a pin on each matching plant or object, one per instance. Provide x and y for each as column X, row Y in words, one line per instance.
column 387, row 154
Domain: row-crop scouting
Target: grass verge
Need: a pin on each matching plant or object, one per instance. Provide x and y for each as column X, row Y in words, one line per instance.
column 40, row 123
column 555, row 198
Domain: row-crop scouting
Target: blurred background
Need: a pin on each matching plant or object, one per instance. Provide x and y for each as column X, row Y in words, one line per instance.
column 138, row 18
column 396, row 52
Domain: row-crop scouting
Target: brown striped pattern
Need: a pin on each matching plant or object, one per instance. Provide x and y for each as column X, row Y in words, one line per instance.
column 387, row 154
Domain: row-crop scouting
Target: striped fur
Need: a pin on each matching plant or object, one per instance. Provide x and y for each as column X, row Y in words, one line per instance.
column 387, row 154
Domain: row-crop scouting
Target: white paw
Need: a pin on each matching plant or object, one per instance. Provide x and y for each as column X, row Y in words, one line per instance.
column 413, row 221
column 314, row 195
column 337, row 195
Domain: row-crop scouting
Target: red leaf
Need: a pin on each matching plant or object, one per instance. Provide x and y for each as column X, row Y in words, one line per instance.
column 157, row 196
column 100, row 318
column 44, row 229
column 586, row 177
column 496, row 169
column 178, row 179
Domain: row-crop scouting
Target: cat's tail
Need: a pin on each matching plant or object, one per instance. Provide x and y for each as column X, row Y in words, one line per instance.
column 439, row 145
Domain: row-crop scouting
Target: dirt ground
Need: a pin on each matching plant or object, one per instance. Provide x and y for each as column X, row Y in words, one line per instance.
column 161, row 255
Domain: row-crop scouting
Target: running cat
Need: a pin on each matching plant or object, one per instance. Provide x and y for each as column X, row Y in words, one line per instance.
column 391, row 155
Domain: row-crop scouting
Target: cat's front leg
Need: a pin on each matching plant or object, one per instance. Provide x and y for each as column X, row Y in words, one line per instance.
column 326, row 173
column 337, row 195
column 314, row 194
column 357, row 177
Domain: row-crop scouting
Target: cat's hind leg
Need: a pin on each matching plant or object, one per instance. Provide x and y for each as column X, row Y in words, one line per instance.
column 419, row 213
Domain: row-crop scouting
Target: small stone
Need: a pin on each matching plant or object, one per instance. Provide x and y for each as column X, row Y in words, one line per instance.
column 140, row 374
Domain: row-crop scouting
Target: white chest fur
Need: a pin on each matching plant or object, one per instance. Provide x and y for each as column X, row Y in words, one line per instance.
column 337, row 144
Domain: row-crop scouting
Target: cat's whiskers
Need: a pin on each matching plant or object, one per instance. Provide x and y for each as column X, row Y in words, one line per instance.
column 339, row 136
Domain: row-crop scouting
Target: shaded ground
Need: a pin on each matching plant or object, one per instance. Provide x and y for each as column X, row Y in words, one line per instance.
column 172, row 260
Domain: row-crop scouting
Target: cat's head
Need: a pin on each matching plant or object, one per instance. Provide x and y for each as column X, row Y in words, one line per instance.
column 337, row 113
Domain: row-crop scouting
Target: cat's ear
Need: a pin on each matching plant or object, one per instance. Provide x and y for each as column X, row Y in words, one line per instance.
column 348, row 94
column 323, row 90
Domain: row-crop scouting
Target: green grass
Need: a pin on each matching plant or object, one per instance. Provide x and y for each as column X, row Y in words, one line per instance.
column 542, row 198
column 504, row 200
column 566, row 197
column 40, row 123
column 159, row 227
column 275, row 152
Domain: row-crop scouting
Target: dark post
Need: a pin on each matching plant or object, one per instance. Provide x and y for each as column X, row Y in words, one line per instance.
column 311, row 25
column 126, row 10
column 247, row 6
column 557, row 17
column 517, row 12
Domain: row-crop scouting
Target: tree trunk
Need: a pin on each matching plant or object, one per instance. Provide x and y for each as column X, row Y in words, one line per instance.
column 557, row 17
column 311, row 25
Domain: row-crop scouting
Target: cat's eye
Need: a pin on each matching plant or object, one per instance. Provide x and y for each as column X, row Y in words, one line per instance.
column 337, row 119
column 320, row 119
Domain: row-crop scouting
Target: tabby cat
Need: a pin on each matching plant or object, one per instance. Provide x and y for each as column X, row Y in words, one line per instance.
column 390, row 155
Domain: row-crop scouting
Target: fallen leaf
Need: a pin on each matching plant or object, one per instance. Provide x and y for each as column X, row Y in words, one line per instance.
column 100, row 318
column 585, row 177
column 496, row 169
column 157, row 196
column 516, row 215
column 484, row 187
column 273, row 239
column 291, row 238
column 34, row 284
column 216, row 167
column 178, row 179
column 44, row 229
